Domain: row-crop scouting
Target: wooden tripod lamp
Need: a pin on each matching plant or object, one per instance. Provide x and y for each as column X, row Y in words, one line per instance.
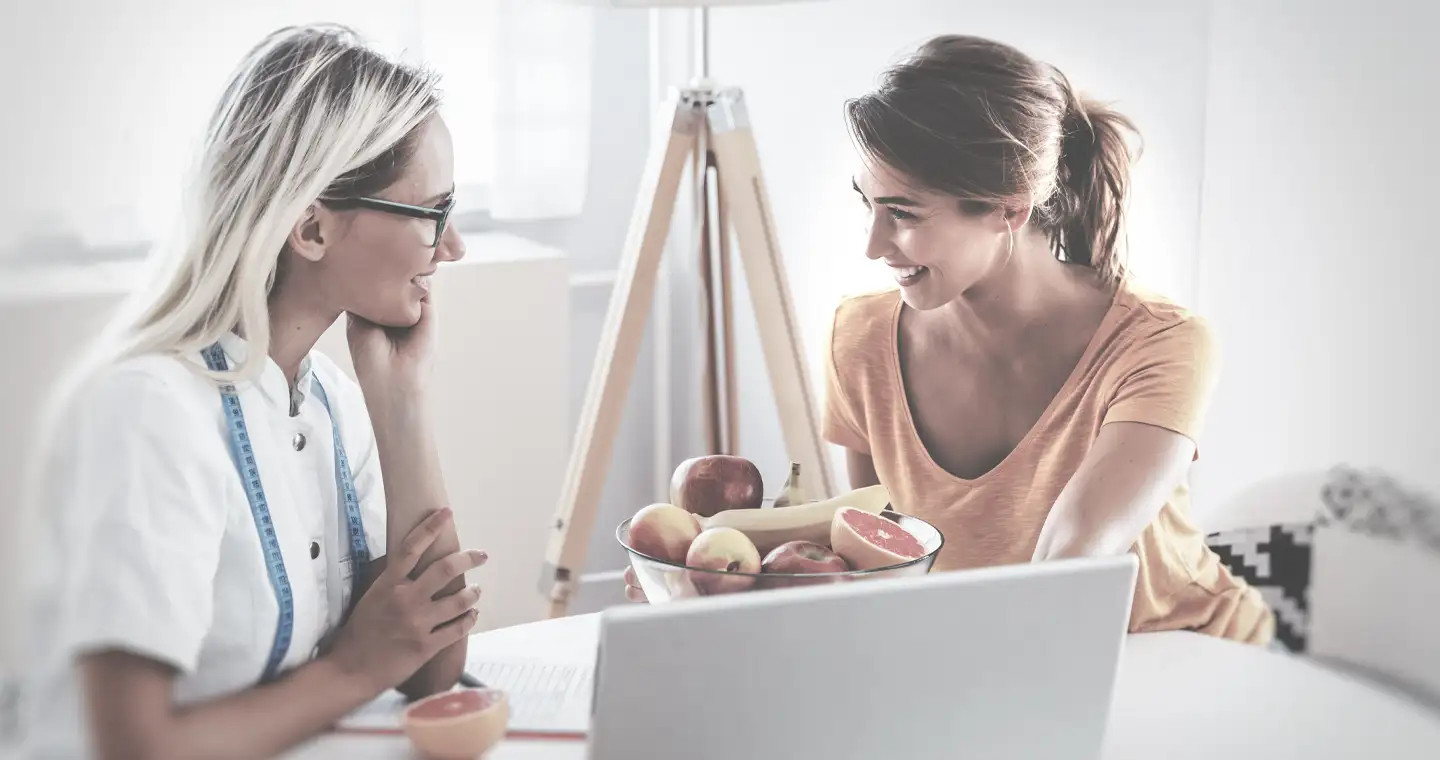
column 708, row 125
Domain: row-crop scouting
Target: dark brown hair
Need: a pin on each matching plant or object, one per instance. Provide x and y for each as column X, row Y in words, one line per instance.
column 995, row 128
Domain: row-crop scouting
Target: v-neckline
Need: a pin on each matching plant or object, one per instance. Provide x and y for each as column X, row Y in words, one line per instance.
column 913, row 433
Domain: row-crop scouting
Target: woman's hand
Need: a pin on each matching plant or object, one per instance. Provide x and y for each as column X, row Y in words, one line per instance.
column 391, row 355
column 400, row 624
column 633, row 592
column 397, row 626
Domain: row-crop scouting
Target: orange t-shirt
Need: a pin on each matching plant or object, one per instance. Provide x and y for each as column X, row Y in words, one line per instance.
column 1150, row 361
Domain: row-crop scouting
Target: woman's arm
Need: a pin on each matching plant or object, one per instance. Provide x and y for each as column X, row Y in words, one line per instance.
column 414, row 489
column 395, row 627
column 861, row 468
column 129, row 703
column 1130, row 472
column 393, row 367
column 1144, row 448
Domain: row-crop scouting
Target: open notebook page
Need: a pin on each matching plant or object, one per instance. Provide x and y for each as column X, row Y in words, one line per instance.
column 546, row 696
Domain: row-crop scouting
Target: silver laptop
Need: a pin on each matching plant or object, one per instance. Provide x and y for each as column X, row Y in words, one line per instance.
column 1014, row 662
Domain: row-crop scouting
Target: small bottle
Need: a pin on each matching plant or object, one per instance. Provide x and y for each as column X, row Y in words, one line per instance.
column 792, row 493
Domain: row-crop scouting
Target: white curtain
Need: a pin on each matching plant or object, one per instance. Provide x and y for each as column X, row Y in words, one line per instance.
column 519, row 93
column 542, row 116
column 97, row 145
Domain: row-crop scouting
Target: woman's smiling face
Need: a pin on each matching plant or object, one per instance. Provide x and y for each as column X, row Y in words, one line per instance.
column 934, row 248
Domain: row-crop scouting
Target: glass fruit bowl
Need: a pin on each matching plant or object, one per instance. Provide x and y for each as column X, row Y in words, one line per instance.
column 664, row 581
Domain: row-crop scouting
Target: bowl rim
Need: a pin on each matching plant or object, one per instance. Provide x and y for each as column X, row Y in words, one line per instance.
column 848, row 573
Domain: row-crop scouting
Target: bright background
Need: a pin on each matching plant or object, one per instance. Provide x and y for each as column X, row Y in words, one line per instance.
column 1285, row 191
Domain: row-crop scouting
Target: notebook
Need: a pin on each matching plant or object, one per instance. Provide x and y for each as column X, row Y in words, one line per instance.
column 548, row 698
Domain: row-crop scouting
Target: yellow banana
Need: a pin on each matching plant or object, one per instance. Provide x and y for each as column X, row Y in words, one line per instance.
column 769, row 528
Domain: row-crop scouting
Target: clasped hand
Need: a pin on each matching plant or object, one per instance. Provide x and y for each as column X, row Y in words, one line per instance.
column 399, row 624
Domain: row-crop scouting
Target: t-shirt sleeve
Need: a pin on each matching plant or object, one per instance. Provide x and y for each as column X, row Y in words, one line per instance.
column 841, row 425
column 1170, row 381
column 143, row 518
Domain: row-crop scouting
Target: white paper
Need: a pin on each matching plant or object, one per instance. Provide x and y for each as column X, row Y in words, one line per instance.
column 546, row 696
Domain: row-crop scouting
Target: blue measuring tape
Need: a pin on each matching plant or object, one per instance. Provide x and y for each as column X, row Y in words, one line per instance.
column 244, row 455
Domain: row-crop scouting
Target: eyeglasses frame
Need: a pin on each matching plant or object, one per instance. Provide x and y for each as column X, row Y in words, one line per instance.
column 439, row 214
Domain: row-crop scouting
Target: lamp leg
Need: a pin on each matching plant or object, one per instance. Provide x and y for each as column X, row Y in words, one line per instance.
column 710, row 362
column 746, row 210
column 730, row 398
column 618, row 350
column 733, row 142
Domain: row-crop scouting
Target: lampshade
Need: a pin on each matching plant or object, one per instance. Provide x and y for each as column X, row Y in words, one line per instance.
column 685, row 3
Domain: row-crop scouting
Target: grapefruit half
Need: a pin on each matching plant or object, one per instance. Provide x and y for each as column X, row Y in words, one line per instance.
column 869, row 541
column 462, row 723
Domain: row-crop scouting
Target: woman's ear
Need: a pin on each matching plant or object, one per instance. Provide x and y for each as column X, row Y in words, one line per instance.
column 1016, row 218
column 307, row 237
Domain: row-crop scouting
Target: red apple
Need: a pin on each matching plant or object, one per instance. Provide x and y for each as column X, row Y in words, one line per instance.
column 803, row 557
column 709, row 484
column 724, row 550
column 663, row 531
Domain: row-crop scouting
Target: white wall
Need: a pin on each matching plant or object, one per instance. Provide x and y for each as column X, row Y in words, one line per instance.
column 43, row 322
column 1147, row 58
column 1317, row 242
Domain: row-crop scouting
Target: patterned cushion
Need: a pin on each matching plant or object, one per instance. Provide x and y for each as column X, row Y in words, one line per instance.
column 1372, row 503
column 1275, row 559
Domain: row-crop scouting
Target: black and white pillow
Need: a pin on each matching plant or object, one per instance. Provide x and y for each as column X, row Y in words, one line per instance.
column 1276, row 559
column 1376, row 505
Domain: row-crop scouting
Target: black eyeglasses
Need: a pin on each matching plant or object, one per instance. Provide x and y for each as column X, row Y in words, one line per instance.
column 439, row 214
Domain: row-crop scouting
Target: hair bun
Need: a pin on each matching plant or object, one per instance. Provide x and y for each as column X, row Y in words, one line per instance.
column 1077, row 130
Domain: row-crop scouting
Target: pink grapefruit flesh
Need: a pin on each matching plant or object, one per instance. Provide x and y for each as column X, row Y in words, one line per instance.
column 453, row 703
column 869, row 541
column 463, row 723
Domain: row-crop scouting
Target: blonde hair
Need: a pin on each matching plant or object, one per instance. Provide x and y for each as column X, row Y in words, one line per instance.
column 311, row 112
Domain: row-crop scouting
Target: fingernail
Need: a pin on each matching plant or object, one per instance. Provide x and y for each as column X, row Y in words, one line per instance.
column 476, row 589
column 481, row 556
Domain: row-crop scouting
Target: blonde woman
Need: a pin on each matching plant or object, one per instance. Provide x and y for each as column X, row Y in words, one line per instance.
column 218, row 568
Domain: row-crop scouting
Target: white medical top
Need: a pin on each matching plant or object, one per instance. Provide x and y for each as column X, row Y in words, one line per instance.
column 144, row 539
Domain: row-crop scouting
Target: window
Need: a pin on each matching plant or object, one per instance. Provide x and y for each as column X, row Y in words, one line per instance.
column 113, row 99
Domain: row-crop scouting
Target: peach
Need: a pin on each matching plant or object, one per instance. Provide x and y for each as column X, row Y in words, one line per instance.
column 663, row 531
column 722, row 550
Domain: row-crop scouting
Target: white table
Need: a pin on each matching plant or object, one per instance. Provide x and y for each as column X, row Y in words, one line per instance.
column 1179, row 696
